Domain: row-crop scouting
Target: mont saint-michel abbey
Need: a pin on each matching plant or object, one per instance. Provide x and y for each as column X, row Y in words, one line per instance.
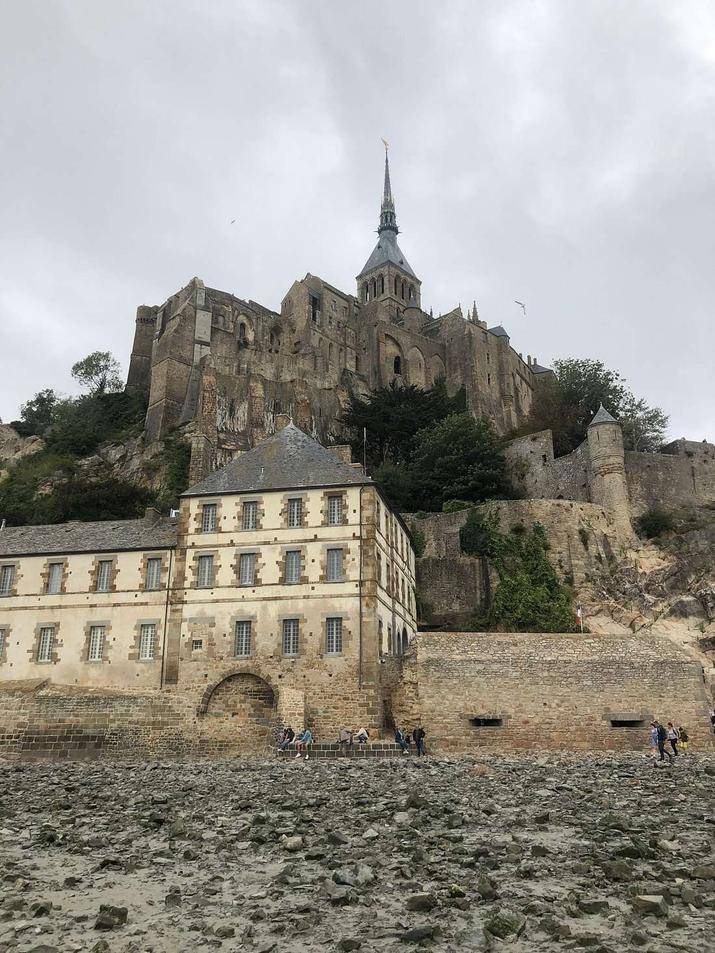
column 229, row 366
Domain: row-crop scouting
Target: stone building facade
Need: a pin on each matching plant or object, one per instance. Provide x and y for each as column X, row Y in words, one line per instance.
column 224, row 367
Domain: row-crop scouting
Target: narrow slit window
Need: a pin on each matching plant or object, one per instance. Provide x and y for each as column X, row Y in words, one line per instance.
column 292, row 567
column 486, row 721
column 335, row 510
column 291, row 632
column 627, row 722
column 208, row 518
column 46, row 643
column 96, row 643
column 247, row 569
column 104, row 575
column 205, row 572
column 54, row 578
column 147, row 642
column 242, row 640
column 335, row 565
column 295, row 512
column 334, row 636
column 7, row 580
column 153, row 573
column 250, row 514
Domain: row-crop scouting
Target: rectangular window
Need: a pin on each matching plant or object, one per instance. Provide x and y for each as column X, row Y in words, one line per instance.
column 54, row 578
column 197, row 645
column 96, row 643
column 208, row 518
column 334, row 636
column 242, row 641
column 250, row 514
column 335, row 510
column 45, row 645
column 291, row 628
column 247, row 569
column 147, row 642
column 153, row 573
column 292, row 567
column 335, row 565
column 3, row 637
column 7, row 580
column 104, row 575
column 205, row 572
column 295, row 512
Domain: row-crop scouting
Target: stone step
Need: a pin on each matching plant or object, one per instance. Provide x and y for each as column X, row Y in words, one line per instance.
column 326, row 750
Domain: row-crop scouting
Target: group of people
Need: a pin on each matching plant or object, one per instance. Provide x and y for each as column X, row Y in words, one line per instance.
column 418, row 737
column 347, row 737
column 660, row 735
column 300, row 741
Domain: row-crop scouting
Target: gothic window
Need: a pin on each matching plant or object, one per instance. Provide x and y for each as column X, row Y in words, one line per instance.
column 397, row 365
column 402, row 290
column 374, row 288
column 397, row 286
column 382, row 285
column 242, row 333
column 412, row 292
column 365, row 292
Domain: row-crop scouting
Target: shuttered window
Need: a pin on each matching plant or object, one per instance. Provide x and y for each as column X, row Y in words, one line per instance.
column 292, row 567
column 291, row 628
column 54, row 578
column 335, row 510
column 104, row 575
column 295, row 512
column 246, row 569
column 96, row 643
column 153, row 573
column 147, row 641
column 208, row 518
column 335, row 565
column 334, row 636
column 242, row 640
column 250, row 514
column 205, row 572
column 45, row 645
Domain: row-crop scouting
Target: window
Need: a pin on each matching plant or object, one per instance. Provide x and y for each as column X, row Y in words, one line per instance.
column 295, row 512
column 46, row 643
column 3, row 636
column 335, row 510
column 397, row 366
column 208, row 518
column 633, row 722
column 153, row 573
column 54, row 578
column 147, row 642
column 7, row 580
column 104, row 575
column 389, row 639
column 382, row 285
column 197, row 645
column 96, row 643
column 205, row 572
column 290, row 636
column 292, row 567
column 242, row 333
column 335, row 565
column 247, row 569
column 486, row 721
column 242, row 640
column 250, row 514
column 334, row 636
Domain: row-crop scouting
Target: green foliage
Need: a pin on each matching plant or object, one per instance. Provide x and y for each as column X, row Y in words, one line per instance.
column 418, row 542
column 38, row 414
column 78, row 499
column 398, row 483
column 567, row 404
column 455, row 506
column 99, row 372
column 177, row 457
column 20, row 501
column 81, row 425
column 655, row 521
column 583, row 536
column 529, row 597
column 392, row 417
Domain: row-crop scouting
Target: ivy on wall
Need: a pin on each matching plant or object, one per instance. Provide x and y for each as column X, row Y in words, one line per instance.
column 529, row 596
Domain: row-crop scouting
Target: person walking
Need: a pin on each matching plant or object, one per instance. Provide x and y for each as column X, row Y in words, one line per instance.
column 673, row 738
column 662, row 738
column 418, row 736
column 683, row 737
column 654, row 738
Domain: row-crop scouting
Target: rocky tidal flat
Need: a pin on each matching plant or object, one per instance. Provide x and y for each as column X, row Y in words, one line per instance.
column 601, row 853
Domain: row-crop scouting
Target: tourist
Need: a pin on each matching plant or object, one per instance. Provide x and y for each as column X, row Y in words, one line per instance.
column 673, row 738
column 662, row 738
column 401, row 740
column 286, row 738
column 654, row 738
column 303, row 741
column 345, row 738
column 362, row 736
column 712, row 718
column 418, row 736
column 684, row 737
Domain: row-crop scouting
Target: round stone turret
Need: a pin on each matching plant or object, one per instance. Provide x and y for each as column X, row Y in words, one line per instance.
column 609, row 487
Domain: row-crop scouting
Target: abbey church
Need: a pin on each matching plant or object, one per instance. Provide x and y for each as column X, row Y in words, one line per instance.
column 227, row 367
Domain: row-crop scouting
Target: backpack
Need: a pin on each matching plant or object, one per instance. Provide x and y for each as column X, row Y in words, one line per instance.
column 662, row 733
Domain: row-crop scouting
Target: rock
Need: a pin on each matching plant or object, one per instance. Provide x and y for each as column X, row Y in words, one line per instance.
column 418, row 934
column 41, row 908
column 486, row 888
column 703, row 872
column 455, row 890
column 337, row 838
column 618, row 870
column 101, row 946
column 691, row 896
column 293, row 843
column 593, row 905
column 423, row 902
column 505, row 923
column 348, row 943
column 110, row 917
column 224, row 932
column 650, row 904
column 173, row 898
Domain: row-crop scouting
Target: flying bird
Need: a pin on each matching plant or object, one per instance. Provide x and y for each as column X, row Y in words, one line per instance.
column 233, row 220
column 385, row 143
column 521, row 305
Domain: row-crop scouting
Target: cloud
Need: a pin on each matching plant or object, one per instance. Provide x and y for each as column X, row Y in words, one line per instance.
column 557, row 153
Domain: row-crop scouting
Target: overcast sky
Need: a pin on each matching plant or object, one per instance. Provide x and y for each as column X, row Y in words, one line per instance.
column 560, row 153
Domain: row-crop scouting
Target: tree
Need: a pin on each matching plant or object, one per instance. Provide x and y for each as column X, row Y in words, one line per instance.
column 567, row 403
column 38, row 414
column 99, row 372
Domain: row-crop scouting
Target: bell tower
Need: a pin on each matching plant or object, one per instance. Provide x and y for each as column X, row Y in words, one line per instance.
column 387, row 275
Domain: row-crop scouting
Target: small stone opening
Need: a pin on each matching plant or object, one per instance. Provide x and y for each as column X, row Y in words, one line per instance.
column 627, row 722
column 486, row 721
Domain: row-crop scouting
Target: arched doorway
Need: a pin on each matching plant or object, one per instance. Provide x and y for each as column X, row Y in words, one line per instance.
column 241, row 710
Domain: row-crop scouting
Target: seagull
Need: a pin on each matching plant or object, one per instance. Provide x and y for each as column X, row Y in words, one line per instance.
column 233, row 220
column 521, row 305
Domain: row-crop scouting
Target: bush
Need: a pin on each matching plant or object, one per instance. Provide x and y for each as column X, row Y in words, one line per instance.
column 655, row 521
column 455, row 506
column 418, row 542
column 83, row 424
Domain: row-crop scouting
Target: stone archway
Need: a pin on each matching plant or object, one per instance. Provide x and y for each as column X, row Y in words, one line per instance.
column 241, row 711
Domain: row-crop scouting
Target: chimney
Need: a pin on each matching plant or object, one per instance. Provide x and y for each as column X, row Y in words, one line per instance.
column 282, row 421
column 342, row 452
column 151, row 514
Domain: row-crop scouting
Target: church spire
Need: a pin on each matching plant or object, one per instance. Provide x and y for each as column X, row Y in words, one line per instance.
column 388, row 219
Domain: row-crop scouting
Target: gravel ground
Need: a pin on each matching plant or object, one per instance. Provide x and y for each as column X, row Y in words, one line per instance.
column 602, row 853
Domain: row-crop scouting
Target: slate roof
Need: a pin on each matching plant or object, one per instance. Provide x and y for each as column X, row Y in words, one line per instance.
column 540, row 369
column 602, row 417
column 107, row 536
column 498, row 331
column 287, row 460
column 387, row 250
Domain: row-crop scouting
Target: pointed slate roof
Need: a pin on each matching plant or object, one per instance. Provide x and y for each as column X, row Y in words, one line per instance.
column 498, row 331
column 287, row 460
column 602, row 417
column 387, row 250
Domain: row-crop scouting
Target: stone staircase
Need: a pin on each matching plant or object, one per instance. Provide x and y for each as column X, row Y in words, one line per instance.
column 324, row 750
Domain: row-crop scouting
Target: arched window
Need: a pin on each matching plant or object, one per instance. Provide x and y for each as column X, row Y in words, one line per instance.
column 242, row 333
column 397, row 365
column 365, row 292
column 402, row 291
column 275, row 339
column 380, row 635
column 374, row 288
column 405, row 640
column 397, row 286
column 389, row 639
column 382, row 284
column 412, row 292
